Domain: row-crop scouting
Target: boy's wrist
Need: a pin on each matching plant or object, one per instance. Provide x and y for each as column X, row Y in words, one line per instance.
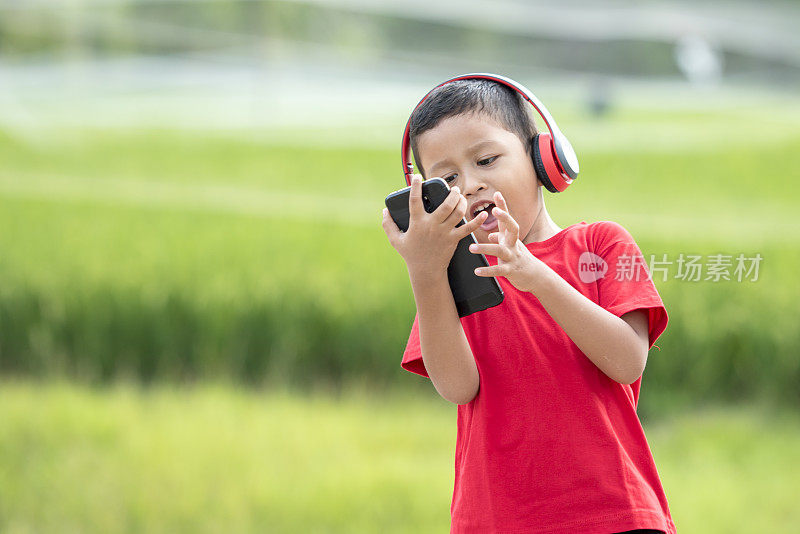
column 431, row 293
column 543, row 280
column 423, row 278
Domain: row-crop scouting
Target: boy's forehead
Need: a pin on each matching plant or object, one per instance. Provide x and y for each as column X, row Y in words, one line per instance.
column 465, row 130
column 461, row 134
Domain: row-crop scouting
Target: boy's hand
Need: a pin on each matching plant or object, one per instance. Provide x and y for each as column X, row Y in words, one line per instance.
column 514, row 260
column 431, row 239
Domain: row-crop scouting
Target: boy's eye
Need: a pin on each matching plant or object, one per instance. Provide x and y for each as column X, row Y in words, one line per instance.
column 483, row 162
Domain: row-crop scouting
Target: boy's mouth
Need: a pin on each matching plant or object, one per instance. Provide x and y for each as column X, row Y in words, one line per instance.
column 490, row 224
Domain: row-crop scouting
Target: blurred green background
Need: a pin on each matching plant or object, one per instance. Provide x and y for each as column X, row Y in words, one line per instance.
column 201, row 320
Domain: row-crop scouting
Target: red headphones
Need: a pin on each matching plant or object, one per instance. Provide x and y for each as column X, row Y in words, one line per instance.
column 553, row 156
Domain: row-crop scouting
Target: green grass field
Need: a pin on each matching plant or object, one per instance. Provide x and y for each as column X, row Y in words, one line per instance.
column 214, row 459
column 164, row 258
column 185, row 255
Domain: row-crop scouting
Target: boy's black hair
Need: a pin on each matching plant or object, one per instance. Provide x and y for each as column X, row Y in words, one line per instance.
column 500, row 102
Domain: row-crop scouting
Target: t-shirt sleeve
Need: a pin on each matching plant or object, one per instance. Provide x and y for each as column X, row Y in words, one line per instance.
column 627, row 284
column 412, row 356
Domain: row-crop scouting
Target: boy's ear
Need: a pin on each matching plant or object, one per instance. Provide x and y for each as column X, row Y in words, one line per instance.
column 537, row 165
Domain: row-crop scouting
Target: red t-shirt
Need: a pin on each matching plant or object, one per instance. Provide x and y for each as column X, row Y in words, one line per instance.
column 550, row 443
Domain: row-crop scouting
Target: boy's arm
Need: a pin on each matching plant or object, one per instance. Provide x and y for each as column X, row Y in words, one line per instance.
column 445, row 351
column 427, row 248
column 616, row 345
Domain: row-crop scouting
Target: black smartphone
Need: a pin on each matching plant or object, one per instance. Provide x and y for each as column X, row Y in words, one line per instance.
column 471, row 292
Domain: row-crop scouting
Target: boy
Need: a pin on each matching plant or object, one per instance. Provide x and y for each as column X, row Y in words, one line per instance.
column 547, row 382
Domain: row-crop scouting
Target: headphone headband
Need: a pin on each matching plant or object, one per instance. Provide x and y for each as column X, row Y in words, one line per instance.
column 564, row 153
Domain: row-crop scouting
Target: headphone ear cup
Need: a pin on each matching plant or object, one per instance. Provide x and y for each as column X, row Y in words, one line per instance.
column 538, row 165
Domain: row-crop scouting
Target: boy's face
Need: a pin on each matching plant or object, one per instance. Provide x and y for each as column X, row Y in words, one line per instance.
column 478, row 155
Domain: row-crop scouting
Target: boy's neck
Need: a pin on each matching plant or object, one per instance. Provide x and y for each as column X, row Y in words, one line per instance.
column 543, row 226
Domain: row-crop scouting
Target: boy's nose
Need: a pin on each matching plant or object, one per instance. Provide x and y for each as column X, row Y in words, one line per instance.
column 472, row 184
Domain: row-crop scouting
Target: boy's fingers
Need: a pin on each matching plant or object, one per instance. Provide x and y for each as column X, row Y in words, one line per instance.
column 457, row 213
column 448, row 207
column 506, row 217
column 494, row 237
column 473, row 225
column 415, row 206
column 389, row 226
column 509, row 224
column 500, row 201
column 497, row 251
column 492, row 270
